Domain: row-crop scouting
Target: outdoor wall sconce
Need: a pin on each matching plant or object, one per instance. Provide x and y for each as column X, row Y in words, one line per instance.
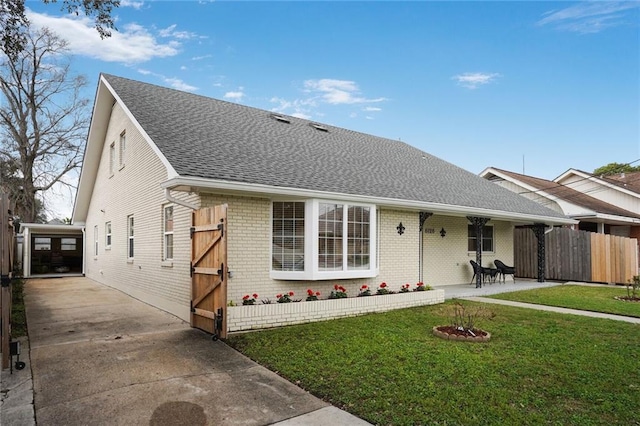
column 400, row 229
column 443, row 232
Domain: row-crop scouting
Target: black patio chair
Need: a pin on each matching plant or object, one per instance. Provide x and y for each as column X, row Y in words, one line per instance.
column 504, row 270
column 478, row 270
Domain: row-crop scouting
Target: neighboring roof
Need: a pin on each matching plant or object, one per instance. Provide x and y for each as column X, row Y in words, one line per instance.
column 628, row 183
column 48, row 228
column 215, row 140
column 565, row 193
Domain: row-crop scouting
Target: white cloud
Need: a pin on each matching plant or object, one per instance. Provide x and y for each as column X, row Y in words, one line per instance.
column 134, row 4
column 170, row 31
column 132, row 44
column 174, row 82
column 590, row 16
column 199, row 58
column 337, row 91
column 235, row 96
column 324, row 91
column 472, row 80
column 183, row 68
column 301, row 115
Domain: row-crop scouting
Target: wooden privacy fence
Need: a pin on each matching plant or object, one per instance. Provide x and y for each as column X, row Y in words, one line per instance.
column 572, row 255
column 6, row 268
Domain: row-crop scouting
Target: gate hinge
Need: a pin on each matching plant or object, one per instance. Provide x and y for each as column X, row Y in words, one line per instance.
column 191, row 269
column 221, row 229
column 191, row 308
column 5, row 280
column 192, row 231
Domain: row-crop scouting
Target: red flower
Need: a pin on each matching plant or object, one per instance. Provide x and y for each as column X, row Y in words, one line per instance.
column 255, row 295
column 383, row 285
column 342, row 289
column 420, row 284
column 290, row 293
column 310, row 292
column 335, row 287
column 317, row 293
column 246, row 297
column 364, row 287
column 278, row 296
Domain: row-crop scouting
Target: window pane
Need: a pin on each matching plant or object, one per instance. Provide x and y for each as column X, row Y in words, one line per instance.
column 168, row 244
column 359, row 239
column 168, row 219
column 68, row 244
column 330, row 225
column 41, row 243
column 287, row 236
column 487, row 238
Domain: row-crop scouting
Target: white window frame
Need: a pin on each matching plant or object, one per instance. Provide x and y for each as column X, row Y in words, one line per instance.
column 107, row 235
column 493, row 239
column 95, row 240
column 166, row 234
column 311, row 245
column 122, row 148
column 130, row 237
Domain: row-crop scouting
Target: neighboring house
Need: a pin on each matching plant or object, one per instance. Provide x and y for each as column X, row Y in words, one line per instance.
column 602, row 205
column 52, row 249
column 620, row 190
column 309, row 205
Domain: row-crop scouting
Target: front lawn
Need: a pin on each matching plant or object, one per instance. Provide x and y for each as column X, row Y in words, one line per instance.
column 388, row 369
column 587, row 298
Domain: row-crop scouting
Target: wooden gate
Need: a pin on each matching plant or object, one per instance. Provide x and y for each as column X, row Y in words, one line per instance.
column 209, row 270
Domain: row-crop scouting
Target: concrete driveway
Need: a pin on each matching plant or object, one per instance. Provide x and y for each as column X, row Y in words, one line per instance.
column 101, row 357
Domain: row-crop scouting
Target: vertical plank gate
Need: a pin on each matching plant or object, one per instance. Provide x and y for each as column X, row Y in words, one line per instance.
column 209, row 270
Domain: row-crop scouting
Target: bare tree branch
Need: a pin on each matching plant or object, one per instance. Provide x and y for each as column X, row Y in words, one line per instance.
column 44, row 119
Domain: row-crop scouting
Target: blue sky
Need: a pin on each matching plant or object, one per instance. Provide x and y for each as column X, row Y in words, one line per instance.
column 478, row 84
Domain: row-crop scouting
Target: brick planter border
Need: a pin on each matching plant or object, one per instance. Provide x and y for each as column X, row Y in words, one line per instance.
column 254, row 317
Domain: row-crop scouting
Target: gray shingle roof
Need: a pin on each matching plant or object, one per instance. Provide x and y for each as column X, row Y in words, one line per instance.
column 209, row 138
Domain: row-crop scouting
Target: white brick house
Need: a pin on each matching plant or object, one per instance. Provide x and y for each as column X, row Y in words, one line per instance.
column 299, row 194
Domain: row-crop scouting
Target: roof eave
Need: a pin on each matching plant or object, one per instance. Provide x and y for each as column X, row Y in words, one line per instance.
column 195, row 184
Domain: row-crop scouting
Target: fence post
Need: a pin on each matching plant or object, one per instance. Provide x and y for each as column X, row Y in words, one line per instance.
column 5, row 278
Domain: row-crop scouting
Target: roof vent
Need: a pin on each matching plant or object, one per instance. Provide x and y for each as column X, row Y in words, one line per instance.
column 281, row 118
column 318, row 127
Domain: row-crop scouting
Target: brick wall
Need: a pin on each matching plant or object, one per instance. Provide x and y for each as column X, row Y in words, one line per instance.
column 280, row 314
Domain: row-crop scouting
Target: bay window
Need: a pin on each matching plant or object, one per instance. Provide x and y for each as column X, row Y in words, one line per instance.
column 317, row 239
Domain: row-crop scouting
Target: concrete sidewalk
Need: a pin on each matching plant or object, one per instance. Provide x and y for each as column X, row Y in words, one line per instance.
column 101, row 357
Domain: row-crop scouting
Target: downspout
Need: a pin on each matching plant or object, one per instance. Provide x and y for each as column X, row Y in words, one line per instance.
column 170, row 198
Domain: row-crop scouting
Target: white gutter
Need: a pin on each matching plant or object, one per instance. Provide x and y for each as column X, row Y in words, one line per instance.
column 172, row 199
column 241, row 187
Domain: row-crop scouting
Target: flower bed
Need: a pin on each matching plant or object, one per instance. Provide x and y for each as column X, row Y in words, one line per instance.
column 278, row 314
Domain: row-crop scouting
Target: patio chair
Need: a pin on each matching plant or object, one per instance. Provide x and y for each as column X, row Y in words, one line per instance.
column 478, row 270
column 504, row 270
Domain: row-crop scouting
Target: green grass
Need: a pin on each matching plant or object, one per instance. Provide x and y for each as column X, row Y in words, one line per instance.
column 597, row 299
column 388, row 368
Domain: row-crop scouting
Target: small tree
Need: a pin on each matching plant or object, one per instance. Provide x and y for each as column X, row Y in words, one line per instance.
column 43, row 119
column 615, row 168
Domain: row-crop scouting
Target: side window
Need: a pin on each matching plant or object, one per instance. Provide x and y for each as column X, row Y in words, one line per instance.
column 130, row 237
column 122, row 148
column 95, row 240
column 107, row 235
column 167, row 230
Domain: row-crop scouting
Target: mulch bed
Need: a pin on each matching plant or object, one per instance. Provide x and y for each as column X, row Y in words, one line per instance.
column 449, row 332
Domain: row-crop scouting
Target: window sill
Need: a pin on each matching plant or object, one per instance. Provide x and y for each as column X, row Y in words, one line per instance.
column 121, row 167
column 107, row 247
column 95, row 257
column 322, row 275
column 130, row 261
column 166, row 264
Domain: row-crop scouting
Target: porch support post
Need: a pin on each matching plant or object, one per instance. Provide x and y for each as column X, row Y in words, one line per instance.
column 478, row 223
column 538, row 230
column 422, row 217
